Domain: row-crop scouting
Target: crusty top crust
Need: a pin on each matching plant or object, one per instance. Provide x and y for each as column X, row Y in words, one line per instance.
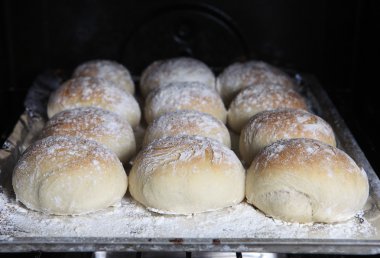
column 239, row 75
column 288, row 123
column 184, row 151
column 187, row 122
column 95, row 92
column 268, row 97
column 304, row 156
column 163, row 72
column 184, row 96
column 108, row 70
column 85, row 122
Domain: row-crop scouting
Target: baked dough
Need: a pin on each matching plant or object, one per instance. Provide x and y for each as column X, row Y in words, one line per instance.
column 184, row 96
column 187, row 174
column 94, row 92
column 256, row 98
column 108, row 70
column 95, row 124
column 67, row 176
column 163, row 72
column 240, row 75
column 187, row 122
column 267, row 127
column 305, row 180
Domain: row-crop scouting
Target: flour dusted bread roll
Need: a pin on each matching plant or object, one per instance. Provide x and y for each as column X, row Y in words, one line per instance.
column 95, row 92
column 181, row 69
column 67, row 176
column 108, row 70
column 187, row 122
column 187, row 174
column 240, row 75
column 267, row 127
column 184, row 96
column 256, row 98
column 304, row 180
column 95, row 124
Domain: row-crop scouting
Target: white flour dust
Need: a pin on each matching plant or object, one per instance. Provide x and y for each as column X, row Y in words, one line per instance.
column 132, row 220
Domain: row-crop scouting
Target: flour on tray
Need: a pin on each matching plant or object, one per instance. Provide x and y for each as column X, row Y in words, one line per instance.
column 132, row 220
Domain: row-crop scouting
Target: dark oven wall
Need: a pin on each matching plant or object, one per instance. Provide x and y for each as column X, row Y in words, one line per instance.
column 331, row 39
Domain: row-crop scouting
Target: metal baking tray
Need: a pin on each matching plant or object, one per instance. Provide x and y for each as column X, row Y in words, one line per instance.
column 15, row 238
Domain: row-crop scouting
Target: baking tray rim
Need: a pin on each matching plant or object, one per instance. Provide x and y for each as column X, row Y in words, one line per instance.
column 120, row 244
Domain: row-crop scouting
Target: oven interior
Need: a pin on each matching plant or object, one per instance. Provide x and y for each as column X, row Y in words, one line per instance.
column 334, row 40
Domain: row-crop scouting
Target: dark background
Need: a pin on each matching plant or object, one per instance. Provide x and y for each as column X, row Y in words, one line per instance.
column 337, row 41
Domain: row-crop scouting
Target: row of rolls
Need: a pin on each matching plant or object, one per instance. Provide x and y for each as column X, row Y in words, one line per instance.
column 285, row 161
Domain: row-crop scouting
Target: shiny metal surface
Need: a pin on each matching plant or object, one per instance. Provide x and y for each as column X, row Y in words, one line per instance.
column 102, row 254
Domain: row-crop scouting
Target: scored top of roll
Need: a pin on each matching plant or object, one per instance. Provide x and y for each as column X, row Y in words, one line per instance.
column 187, row 174
column 185, row 148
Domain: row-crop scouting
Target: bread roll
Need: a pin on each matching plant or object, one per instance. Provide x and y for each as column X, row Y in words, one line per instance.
column 239, row 75
column 182, row 69
column 260, row 97
column 187, row 174
column 187, row 122
column 184, row 96
column 94, row 92
column 267, row 127
column 305, row 180
column 67, row 176
column 109, row 71
column 95, row 124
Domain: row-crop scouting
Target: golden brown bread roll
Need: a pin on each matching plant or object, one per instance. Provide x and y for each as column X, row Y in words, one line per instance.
column 95, row 124
column 187, row 174
column 109, row 71
column 67, row 176
column 256, row 98
column 240, row 75
column 94, row 92
column 187, row 122
column 181, row 69
column 184, row 96
column 304, row 180
column 267, row 127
